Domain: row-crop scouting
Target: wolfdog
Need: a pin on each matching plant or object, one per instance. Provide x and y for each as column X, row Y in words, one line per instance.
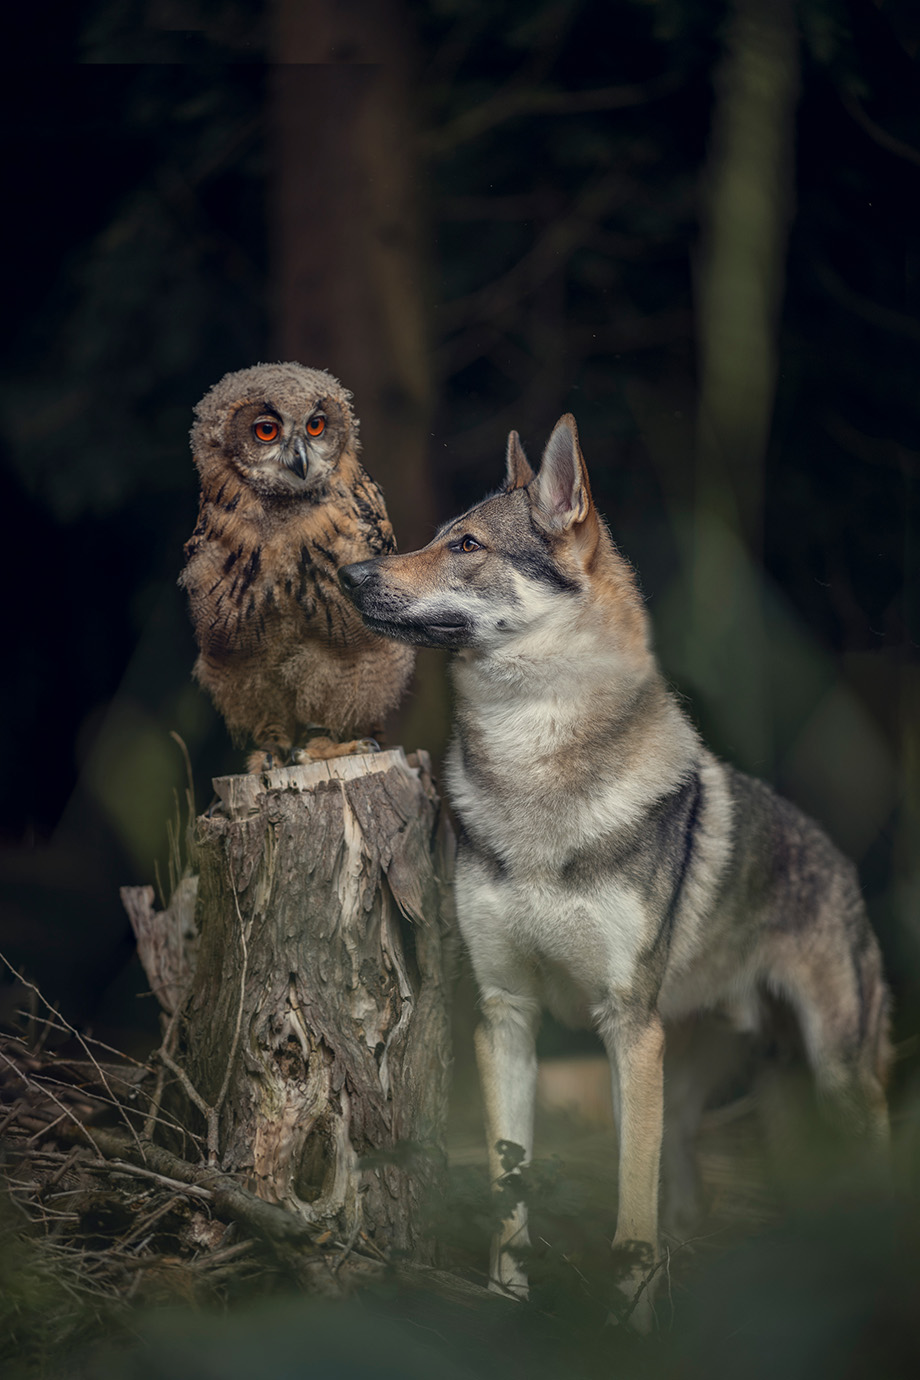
column 610, row 868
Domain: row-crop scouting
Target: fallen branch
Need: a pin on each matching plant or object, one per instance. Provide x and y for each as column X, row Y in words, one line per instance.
column 269, row 1222
column 298, row 1246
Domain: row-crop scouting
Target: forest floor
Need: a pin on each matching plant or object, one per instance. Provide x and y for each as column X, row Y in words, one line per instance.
column 117, row 1261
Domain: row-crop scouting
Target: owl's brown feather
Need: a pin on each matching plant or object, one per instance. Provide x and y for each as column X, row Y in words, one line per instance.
column 281, row 649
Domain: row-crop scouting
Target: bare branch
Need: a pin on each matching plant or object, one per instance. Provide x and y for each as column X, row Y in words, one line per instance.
column 266, row 1220
column 513, row 102
column 629, row 333
column 883, row 318
column 79, row 1038
column 139, row 1172
column 91, row 1040
column 67, row 1111
column 482, row 434
column 547, row 256
column 168, row 1044
column 107, row 1098
column 870, row 450
column 537, row 205
column 211, row 1111
column 188, row 1087
column 881, row 136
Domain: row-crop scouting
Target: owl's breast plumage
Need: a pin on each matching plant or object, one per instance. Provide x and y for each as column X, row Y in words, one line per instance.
column 262, row 579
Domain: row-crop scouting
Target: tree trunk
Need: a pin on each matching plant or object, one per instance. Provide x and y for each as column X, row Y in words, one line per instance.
column 349, row 257
column 317, row 1030
column 748, row 205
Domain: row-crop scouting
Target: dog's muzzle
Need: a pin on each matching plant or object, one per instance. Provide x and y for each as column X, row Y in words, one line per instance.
column 385, row 612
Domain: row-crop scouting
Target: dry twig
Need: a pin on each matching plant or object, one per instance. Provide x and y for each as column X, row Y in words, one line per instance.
column 80, row 1040
column 211, row 1111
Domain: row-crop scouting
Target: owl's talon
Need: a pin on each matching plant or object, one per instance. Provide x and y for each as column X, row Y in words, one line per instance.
column 323, row 748
column 260, row 761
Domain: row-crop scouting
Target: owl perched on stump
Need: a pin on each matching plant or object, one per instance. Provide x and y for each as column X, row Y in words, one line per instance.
column 285, row 503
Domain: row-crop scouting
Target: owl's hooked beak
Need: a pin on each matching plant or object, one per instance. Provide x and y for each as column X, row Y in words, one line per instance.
column 296, row 458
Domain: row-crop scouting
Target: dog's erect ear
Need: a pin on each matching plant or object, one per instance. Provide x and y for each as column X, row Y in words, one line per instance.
column 518, row 473
column 561, row 493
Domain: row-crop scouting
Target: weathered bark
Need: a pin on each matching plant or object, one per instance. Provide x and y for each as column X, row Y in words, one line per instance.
column 319, row 985
column 167, row 942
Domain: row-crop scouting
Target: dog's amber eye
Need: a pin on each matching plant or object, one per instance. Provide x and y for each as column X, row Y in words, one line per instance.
column 316, row 426
column 266, row 429
column 466, row 544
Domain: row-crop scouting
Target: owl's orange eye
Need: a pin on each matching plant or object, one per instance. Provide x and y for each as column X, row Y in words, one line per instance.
column 266, row 429
column 316, row 425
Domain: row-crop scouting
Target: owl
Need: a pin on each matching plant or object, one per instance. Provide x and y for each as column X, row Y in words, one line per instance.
column 285, row 503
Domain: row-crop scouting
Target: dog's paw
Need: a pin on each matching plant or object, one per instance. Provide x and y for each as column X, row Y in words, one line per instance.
column 506, row 1274
column 637, row 1279
column 637, row 1313
column 512, row 1289
column 511, row 1281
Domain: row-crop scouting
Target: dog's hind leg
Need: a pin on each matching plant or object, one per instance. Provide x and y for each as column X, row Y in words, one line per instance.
column 841, row 1002
column 635, row 1044
column 506, row 1054
column 705, row 1061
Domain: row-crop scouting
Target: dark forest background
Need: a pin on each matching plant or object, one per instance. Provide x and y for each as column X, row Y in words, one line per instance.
column 693, row 223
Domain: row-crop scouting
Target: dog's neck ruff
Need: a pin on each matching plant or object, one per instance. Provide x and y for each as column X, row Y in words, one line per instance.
column 568, row 658
column 553, row 752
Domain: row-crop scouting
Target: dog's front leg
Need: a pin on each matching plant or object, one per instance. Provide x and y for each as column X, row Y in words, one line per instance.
column 635, row 1044
column 507, row 1058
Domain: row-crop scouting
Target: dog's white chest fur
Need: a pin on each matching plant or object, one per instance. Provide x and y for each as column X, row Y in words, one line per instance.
column 574, row 947
column 514, row 790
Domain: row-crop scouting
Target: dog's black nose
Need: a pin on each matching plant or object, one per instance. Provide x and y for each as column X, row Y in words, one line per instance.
column 352, row 577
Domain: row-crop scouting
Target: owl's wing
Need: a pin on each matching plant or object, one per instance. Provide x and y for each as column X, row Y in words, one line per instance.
column 228, row 616
column 370, row 517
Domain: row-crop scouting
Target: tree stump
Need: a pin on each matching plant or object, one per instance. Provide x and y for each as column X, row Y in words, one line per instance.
column 317, row 1031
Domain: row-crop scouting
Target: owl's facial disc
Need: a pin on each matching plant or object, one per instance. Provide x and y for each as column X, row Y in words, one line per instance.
column 285, row 452
column 309, row 450
column 277, row 447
